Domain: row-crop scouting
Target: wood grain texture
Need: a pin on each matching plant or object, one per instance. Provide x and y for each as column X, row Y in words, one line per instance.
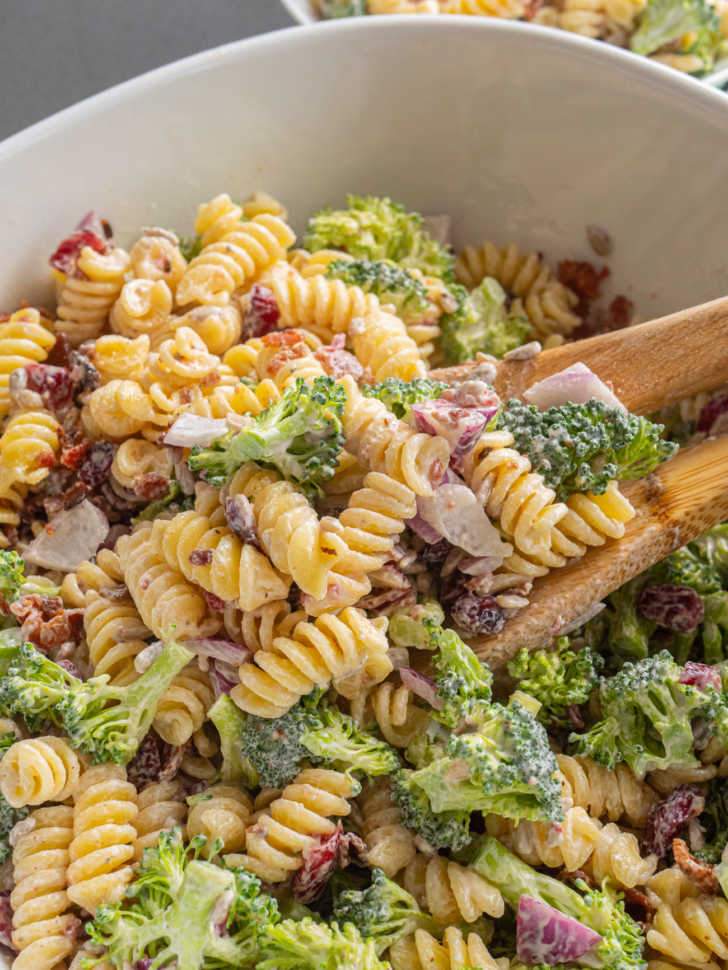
column 649, row 365
column 677, row 503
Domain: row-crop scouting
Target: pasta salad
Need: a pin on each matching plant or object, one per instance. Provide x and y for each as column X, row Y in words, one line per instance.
column 248, row 528
column 689, row 35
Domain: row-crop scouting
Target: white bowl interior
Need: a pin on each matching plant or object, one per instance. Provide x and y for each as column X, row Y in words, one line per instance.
column 301, row 10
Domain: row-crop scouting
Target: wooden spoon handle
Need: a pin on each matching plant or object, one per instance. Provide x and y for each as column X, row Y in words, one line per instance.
column 682, row 499
column 649, row 365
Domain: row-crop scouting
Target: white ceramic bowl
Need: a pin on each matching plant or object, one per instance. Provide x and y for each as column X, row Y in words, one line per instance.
column 527, row 134
column 519, row 133
column 304, row 12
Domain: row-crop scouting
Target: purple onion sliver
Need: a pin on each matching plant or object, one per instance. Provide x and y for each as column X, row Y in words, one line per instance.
column 424, row 530
column 421, row 686
column 544, row 935
column 576, row 383
column 226, row 650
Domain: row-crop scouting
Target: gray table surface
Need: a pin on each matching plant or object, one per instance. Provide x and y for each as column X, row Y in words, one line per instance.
column 56, row 52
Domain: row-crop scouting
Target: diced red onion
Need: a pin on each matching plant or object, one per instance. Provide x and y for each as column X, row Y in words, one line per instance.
column 421, row 686
column 545, row 935
column 478, row 565
column 190, row 430
column 71, row 537
column 576, row 383
column 223, row 677
column 424, row 530
column 227, row 651
column 460, row 426
column 701, row 675
column 455, row 513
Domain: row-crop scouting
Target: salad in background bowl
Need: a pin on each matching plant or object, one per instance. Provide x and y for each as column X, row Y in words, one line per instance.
column 690, row 36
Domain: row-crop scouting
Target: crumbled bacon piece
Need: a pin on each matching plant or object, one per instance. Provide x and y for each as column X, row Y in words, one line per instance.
column 151, row 486
column 583, row 279
column 45, row 622
column 701, row 873
column 639, row 907
column 73, row 452
column 337, row 361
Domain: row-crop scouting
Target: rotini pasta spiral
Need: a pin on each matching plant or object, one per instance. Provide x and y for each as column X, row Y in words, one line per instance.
column 382, row 344
column 218, row 327
column 548, row 303
column 390, row 846
column 323, row 306
column 313, row 655
column 122, row 408
column 28, row 448
column 392, row 707
column 421, row 951
column 161, row 808
column 38, row 770
column 23, row 340
column 184, row 706
column 142, row 309
column 260, row 202
column 115, row 635
column 84, row 302
column 585, row 17
column 182, row 361
column 514, row 496
column 120, row 358
column 157, row 257
column 692, row 930
column 44, row 931
column 208, row 553
column 260, row 627
column 235, row 258
column 216, row 218
column 220, row 812
column 612, row 794
column 165, row 600
column 137, row 457
column 591, row 520
column 449, row 891
column 403, row 6
column 385, row 444
column 104, row 813
column 293, row 822
column 288, row 527
column 511, row 9
column 617, row 857
column 105, row 572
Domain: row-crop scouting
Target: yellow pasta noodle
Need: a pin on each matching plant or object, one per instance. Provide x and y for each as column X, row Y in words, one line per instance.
column 511, row 9
column 38, row 770
column 157, row 257
column 84, row 302
column 166, row 601
column 24, row 339
column 142, row 309
column 691, row 931
column 28, row 448
column 220, row 812
column 104, row 833
column 44, row 931
column 390, row 846
column 184, row 705
column 313, row 655
column 218, row 327
column 382, row 344
column 104, row 572
column 293, row 822
column 161, row 808
column 115, row 635
column 456, row 952
column 449, row 891
column 585, row 17
column 120, row 358
column 614, row 794
column 135, row 458
column 591, row 520
column 394, row 711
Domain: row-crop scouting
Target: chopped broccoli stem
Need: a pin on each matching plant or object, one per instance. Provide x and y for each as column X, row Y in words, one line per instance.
column 482, row 324
column 300, row 435
column 308, row 945
column 417, row 626
column 230, row 723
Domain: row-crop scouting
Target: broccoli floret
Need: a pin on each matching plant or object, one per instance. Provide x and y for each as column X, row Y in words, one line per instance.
column 301, row 435
column 399, row 395
column 441, row 829
column 482, row 323
column 174, row 910
column 33, row 686
column 714, row 822
column 190, row 246
column 694, row 22
column 558, row 678
column 313, row 730
column 416, row 626
column 12, row 574
column 463, row 682
column 386, row 280
column 601, row 910
column 581, row 447
column 712, row 548
column 174, row 501
column 230, row 723
column 8, row 815
column 505, row 766
column 384, row 912
column 377, row 228
column 308, row 945
column 109, row 722
column 714, row 628
column 343, row 8
column 647, row 717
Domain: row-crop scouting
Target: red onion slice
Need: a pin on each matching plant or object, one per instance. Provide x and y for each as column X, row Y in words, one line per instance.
column 457, row 515
column 421, row 686
column 545, row 935
column 190, row 430
column 227, row 651
column 69, row 538
column 576, row 383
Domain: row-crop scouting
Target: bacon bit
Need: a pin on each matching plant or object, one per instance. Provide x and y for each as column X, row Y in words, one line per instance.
column 701, row 873
column 583, row 279
column 389, row 601
column 70, row 497
column 150, row 486
column 73, row 453
column 285, row 338
column 65, row 258
column 532, row 8
column 45, row 622
column 639, row 907
column 201, row 557
column 337, row 361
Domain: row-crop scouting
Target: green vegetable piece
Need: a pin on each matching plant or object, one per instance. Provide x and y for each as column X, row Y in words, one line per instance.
column 664, row 22
column 308, row 945
column 387, row 281
column 558, row 678
column 482, row 324
column 399, row 395
column 230, row 723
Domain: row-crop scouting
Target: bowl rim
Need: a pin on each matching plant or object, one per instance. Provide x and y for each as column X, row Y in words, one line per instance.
column 716, row 78
column 683, row 86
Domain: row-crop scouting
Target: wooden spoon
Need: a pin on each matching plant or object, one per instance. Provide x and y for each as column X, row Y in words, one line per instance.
column 649, row 365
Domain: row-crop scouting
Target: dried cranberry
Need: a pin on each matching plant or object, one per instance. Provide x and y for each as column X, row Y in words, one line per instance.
column 54, row 384
column 678, row 608
column 201, row 557
column 261, row 314
column 65, row 258
column 435, row 554
column 241, row 518
column 213, row 601
column 146, row 764
column 60, row 353
column 711, row 412
column 95, row 468
column 701, row 675
column 477, row 614
column 6, row 920
column 669, row 816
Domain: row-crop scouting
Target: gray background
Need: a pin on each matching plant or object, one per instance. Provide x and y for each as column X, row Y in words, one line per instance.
column 55, row 52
